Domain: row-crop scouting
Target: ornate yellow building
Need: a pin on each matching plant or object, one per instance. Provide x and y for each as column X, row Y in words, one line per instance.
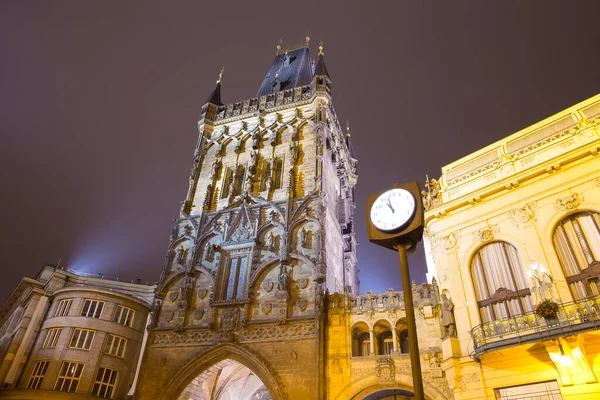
column 509, row 226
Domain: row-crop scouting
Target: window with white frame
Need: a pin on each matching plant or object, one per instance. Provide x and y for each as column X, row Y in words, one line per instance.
column 115, row 345
column 92, row 308
column 69, row 376
column 106, row 380
column 533, row 391
column 124, row 315
column 500, row 282
column 63, row 307
column 37, row 376
column 576, row 240
column 82, row 339
column 51, row 337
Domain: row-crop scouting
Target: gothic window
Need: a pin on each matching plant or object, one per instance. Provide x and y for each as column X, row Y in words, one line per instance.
column 577, row 243
column 500, row 282
column 227, row 179
column 277, row 173
column 234, row 277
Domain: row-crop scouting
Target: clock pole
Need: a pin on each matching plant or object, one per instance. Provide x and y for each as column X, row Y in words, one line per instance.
column 401, row 231
column 413, row 343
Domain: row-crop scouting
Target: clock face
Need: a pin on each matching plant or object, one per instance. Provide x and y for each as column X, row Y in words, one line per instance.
column 393, row 209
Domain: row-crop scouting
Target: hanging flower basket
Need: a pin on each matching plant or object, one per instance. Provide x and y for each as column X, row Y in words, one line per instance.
column 547, row 309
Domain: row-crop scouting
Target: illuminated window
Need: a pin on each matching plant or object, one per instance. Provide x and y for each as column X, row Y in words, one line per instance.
column 82, row 339
column 69, row 376
column 51, row 337
column 124, row 315
column 577, row 243
column 37, row 376
column 92, row 308
column 537, row 391
column 234, row 277
column 115, row 345
column 500, row 282
column 63, row 307
column 105, row 383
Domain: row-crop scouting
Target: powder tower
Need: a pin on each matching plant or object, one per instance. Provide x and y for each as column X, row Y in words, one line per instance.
column 265, row 231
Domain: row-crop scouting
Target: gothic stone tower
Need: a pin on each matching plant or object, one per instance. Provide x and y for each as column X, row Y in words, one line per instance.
column 265, row 231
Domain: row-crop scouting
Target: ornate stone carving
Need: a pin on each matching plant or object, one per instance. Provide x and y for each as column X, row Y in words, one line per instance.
column 302, row 283
column 302, row 303
column 568, row 203
column 199, row 314
column 486, row 234
column 304, row 237
column 385, row 370
column 204, row 337
column 449, row 241
column 268, row 286
column 520, row 215
column 283, row 279
column 278, row 332
column 202, row 293
column 230, row 318
column 266, row 308
column 173, row 295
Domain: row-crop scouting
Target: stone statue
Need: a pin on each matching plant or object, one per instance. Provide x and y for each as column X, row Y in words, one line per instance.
column 303, row 237
column 294, row 153
column 182, row 255
column 283, row 280
column 255, row 140
column 215, row 167
column 253, row 161
column 209, row 251
column 434, row 361
column 249, row 183
column 448, row 321
column 270, row 242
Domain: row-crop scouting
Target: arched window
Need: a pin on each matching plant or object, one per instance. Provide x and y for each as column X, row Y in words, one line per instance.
column 577, row 243
column 500, row 282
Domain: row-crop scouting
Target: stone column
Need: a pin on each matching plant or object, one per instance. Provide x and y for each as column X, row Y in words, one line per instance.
column 371, row 342
column 395, row 339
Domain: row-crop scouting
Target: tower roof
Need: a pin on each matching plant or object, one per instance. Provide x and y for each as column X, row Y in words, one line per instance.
column 321, row 68
column 215, row 96
column 290, row 68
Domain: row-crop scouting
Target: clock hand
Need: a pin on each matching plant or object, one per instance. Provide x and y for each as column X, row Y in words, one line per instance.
column 389, row 204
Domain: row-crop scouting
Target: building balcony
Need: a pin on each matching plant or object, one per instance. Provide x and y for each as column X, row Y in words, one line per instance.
column 572, row 318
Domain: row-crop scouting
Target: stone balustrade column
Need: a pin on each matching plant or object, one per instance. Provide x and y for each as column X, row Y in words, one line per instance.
column 371, row 342
column 395, row 339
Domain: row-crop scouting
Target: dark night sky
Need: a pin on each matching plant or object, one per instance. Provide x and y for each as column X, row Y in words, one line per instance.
column 99, row 103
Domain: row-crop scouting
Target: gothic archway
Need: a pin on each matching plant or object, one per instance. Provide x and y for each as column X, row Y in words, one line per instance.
column 390, row 394
column 226, row 380
column 238, row 362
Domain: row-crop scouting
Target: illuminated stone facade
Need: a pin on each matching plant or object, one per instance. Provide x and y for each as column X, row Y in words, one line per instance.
column 510, row 226
column 266, row 230
column 67, row 336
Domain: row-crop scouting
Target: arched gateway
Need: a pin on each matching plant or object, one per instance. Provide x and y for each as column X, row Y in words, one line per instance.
column 225, row 373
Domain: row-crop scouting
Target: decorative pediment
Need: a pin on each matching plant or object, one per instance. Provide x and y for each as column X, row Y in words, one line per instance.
column 242, row 228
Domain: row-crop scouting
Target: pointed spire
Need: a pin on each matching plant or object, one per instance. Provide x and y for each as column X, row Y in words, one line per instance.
column 307, row 37
column 215, row 96
column 321, row 68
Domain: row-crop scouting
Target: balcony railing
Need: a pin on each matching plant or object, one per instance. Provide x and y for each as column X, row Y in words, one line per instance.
column 575, row 317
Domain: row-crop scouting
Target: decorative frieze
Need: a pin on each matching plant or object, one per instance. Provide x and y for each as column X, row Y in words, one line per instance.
column 279, row 332
column 186, row 338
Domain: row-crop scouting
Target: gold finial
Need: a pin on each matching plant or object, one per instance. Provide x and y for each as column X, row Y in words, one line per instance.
column 321, row 48
column 348, row 128
column 279, row 46
column 221, row 75
column 307, row 37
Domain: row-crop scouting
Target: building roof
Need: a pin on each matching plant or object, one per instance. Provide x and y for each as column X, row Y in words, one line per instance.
column 290, row 69
column 321, row 68
column 215, row 96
